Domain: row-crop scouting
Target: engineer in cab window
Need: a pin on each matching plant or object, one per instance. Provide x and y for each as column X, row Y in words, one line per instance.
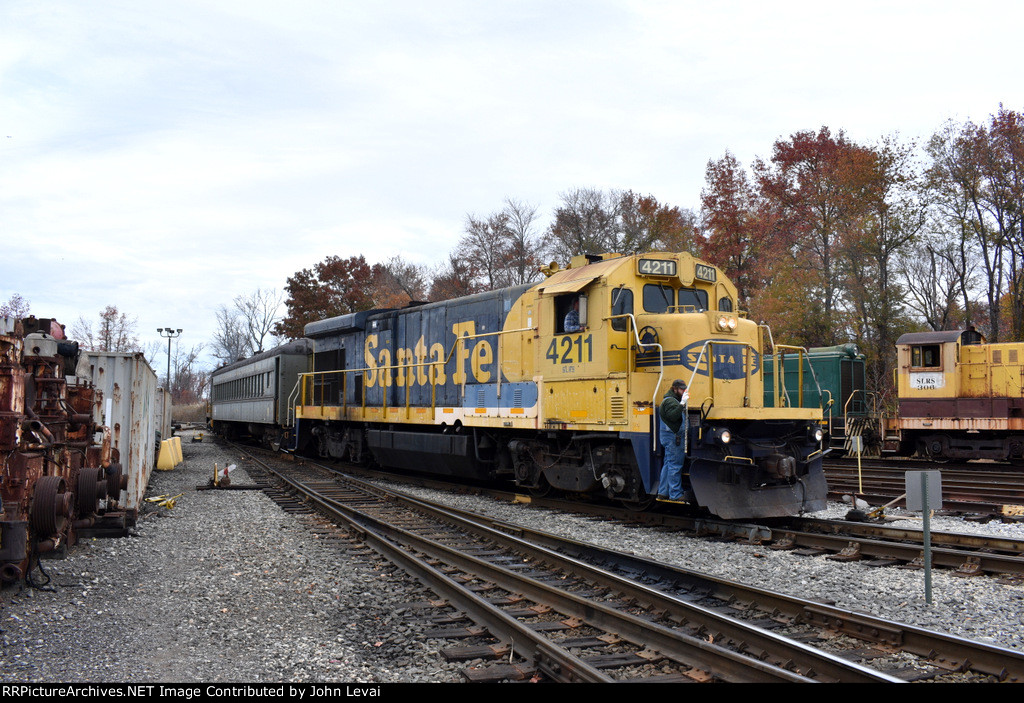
column 572, row 318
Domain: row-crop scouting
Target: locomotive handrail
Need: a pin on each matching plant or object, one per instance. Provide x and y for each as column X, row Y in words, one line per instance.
column 711, row 370
column 780, row 372
column 497, row 380
column 432, row 377
column 828, row 407
column 661, row 370
column 292, row 399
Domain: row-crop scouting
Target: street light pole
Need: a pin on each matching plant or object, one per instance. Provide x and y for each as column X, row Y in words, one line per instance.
column 170, row 334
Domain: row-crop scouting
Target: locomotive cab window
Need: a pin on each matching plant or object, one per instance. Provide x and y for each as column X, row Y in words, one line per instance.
column 622, row 304
column 570, row 313
column 658, row 298
column 693, row 300
column 725, row 305
column 926, row 356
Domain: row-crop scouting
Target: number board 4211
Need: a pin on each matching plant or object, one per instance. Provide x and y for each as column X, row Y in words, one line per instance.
column 656, row 267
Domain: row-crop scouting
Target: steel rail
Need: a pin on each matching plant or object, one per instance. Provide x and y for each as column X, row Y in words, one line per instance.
column 947, row 650
column 729, row 664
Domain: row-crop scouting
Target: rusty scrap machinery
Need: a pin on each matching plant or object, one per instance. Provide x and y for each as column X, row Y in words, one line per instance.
column 60, row 474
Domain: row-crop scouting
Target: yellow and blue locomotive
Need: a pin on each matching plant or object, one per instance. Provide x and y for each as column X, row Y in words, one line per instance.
column 556, row 385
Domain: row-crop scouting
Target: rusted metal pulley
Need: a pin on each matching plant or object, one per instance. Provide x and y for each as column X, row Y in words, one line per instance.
column 115, row 480
column 51, row 506
column 91, row 488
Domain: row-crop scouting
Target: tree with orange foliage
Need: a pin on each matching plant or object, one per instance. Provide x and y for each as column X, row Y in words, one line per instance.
column 333, row 287
column 398, row 282
column 646, row 224
column 739, row 238
column 817, row 186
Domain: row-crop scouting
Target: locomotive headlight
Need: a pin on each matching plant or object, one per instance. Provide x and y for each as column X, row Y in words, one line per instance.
column 719, row 435
column 816, row 433
column 732, row 324
column 727, row 324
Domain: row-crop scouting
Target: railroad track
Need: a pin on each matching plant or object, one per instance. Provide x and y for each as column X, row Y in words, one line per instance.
column 547, row 613
column 965, row 488
column 881, row 543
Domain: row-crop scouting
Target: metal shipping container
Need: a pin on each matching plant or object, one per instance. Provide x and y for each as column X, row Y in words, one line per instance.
column 163, row 413
column 130, row 407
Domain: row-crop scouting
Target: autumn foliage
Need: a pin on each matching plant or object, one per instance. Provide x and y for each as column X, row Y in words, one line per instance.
column 828, row 240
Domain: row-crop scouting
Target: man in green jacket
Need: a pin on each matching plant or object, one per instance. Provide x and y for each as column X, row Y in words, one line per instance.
column 672, row 425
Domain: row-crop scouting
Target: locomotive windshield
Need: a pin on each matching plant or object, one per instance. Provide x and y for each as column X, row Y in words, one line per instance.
column 693, row 299
column 659, row 298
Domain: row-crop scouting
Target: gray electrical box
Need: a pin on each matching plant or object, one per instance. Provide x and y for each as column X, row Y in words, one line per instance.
column 920, row 481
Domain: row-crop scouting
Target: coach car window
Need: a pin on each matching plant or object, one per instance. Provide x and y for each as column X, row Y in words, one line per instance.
column 925, row 356
column 622, row 304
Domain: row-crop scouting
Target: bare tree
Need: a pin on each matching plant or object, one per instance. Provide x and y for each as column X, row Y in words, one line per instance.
column 246, row 328
column 594, row 222
column 115, row 332
column 523, row 259
column 229, row 343
column 934, row 279
column 259, row 311
column 16, row 307
column 484, row 248
column 585, row 223
column 503, row 248
column 189, row 383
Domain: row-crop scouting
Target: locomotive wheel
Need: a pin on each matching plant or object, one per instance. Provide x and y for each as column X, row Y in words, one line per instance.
column 639, row 506
column 51, row 504
column 91, row 488
column 542, row 488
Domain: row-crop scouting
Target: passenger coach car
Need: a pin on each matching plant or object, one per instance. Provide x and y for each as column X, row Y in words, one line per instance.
column 251, row 397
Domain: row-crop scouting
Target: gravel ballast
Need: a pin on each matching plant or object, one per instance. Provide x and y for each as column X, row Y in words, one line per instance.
column 226, row 587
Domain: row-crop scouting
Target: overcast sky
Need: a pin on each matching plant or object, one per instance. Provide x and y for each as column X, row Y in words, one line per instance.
column 164, row 157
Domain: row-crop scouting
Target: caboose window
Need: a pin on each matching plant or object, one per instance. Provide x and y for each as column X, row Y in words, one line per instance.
column 925, row 356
